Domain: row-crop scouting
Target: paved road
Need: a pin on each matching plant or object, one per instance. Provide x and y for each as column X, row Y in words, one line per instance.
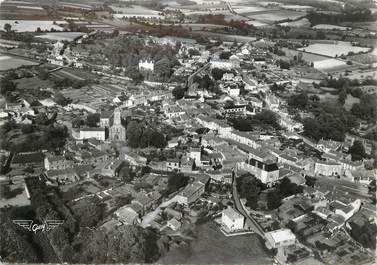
column 253, row 224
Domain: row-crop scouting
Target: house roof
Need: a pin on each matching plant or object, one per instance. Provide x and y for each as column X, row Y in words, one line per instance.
column 127, row 214
column 281, row 235
column 232, row 214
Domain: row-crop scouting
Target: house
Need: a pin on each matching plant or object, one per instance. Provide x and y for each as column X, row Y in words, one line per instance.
column 173, row 213
column 232, row 220
column 173, row 224
column 173, row 164
column 112, row 168
column 146, row 65
column 262, row 164
column 346, row 210
column 214, row 124
column 126, row 215
column 70, row 174
column 280, row 238
column 328, row 145
column 327, row 168
column 147, row 201
column 235, row 110
column 57, row 162
column 191, row 193
column 32, row 159
column 87, row 133
column 233, row 91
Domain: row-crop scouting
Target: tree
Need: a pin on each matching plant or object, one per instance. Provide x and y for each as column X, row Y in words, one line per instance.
column 342, row 96
column 299, row 101
column 274, row 199
column 217, row 73
column 157, row 139
column 43, row 74
column 126, row 174
column 176, row 181
column 178, row 92
column 61, row 99
column 92, row 119
column 133, row 134
column 310, row 181
column 6, row 86
column 357, row 151
column 7, row 27
column 225, row 55
column 249, row 188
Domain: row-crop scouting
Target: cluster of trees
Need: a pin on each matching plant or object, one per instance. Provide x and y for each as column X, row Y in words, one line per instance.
column 331, row 122
column 205, row 82
column 265, row 119
column 250, row 188
column 357, row 151
column 141, row 135
column 35, row 137
column 127, row 51
column 347, row 15
column 126, row 173
column 364, row 234
column 176, row 180
column 7, row 87
column 178, row 92
column 366, row 109
column 92, row 120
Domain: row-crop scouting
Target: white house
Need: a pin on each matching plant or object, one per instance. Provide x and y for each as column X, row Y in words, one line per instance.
column 232, row 220
column 146, row 65
column 280, row 238
column 87, row 133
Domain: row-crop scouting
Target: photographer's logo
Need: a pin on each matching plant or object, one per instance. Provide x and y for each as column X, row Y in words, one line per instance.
column 35, row 227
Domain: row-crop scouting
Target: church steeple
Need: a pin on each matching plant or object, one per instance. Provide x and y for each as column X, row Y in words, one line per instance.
column 117, row 117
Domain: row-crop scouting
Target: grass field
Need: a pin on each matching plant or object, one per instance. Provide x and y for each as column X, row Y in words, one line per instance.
column 334, row 49
column 212, row 247
column 8, row 62
column 276, row 16
column 32, row 83
column 61, row 36
column 31, row 25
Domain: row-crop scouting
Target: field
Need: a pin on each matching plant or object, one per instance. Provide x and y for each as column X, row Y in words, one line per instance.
column 61, row 36
column 329, row 27
column 276, row 16
column 32, row 25
column 338, row 48
column 8, row 62
column 137, row 11
column 309, row 57
column 32, row 83
column 301, row 23
column 212, row 247
column 247, row 9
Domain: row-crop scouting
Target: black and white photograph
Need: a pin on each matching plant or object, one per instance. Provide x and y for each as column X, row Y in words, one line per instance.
column 188, row 132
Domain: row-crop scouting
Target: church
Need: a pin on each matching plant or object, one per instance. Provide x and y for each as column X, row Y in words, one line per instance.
column 113, row 121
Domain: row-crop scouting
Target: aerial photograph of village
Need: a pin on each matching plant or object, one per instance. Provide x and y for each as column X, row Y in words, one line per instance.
column 188, row 132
